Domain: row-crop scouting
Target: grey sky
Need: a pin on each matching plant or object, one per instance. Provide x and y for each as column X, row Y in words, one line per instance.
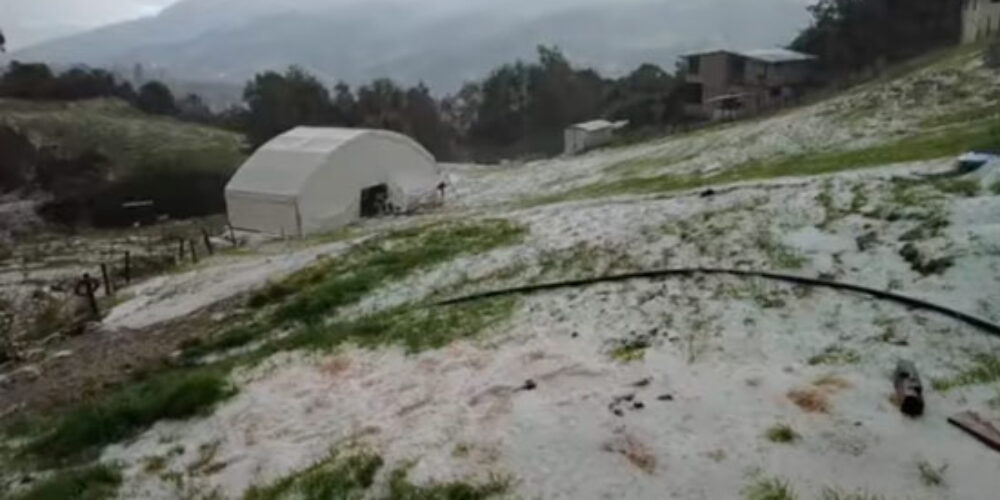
column 26, row 22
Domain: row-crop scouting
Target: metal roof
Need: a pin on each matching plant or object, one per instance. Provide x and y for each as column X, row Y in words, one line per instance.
column 776, row 55
column 595, row 125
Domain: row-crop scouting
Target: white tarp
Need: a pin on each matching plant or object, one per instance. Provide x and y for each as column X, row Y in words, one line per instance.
column 310, row 180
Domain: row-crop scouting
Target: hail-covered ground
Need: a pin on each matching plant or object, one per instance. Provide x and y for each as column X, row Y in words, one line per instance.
column 695, row 387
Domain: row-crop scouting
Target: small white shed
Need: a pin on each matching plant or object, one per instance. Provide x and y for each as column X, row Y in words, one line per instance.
column 310, row 180
column 587, row 135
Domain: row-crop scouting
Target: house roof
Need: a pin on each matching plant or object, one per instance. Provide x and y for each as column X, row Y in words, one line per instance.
column 595, row 125
column 775, row 55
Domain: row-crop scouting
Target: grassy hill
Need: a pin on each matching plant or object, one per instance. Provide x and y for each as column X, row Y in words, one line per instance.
column 128, row 138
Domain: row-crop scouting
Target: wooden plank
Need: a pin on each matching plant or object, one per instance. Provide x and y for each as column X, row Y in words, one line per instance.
column 979, row 427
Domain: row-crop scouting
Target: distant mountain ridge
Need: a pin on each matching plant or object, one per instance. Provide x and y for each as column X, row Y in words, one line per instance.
column 443, row 43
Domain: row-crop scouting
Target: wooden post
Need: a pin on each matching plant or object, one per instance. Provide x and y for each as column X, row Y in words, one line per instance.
column 232, row 234
column 180, row 251
column 208, row 241
column 85, row 288
column 194, row 252
column 108, row 286
column 128, row 267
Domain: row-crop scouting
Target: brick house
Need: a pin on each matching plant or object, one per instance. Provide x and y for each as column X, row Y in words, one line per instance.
column 727, row 83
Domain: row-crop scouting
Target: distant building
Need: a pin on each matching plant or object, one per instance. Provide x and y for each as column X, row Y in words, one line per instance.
column 980, row 20
column 589, row 135
column 727, row 83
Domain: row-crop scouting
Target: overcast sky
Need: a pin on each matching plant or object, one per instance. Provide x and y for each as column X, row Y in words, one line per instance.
column 26, row 22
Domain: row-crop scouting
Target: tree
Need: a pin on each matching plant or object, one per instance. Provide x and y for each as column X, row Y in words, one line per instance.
column 192, row 108
column 27, row 81
column 155, row 98
column 280, row 102
column 849, row 35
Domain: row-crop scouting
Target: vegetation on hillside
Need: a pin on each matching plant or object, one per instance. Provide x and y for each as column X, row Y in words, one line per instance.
column 850, row 35
column 94, row 155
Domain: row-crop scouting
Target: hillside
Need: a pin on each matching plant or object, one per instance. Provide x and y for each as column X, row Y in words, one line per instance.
column 129, row 138
column 443, row 43
column 325, row 365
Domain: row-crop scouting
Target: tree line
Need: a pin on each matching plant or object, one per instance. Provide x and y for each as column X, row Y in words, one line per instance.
column 519, row 108
column 850, row 35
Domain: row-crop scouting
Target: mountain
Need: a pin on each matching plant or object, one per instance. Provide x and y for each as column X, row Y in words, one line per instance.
column 441, row 42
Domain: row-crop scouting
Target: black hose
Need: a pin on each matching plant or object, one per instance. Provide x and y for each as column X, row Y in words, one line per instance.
column 974, row 321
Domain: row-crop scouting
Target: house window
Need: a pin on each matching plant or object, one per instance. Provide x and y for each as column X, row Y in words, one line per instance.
column 694, row 65
column 737, row 68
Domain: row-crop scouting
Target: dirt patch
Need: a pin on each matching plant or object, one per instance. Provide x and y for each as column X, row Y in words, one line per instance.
column 630, row 447
column 98, row 360
column 816, row 397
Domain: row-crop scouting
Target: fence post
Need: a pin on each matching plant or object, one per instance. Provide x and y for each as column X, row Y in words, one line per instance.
column 180, row 251
column 85, row 288
column 232, row 234
column 208, row 241
column 128, row 267
column 194, row 253
column 108, row 286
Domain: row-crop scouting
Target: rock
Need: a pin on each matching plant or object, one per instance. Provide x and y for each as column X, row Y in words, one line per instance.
column 922, row 263
column 62, row 354
column 867, row 241
column 217, row 317
column 34, row 354
column 618, row 412
column 574, row 335
column 529, row 385
column 665, row 397
column 638, row 405
column 30, row 372
column 643, row 383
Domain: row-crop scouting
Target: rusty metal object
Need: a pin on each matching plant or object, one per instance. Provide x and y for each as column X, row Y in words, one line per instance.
column 978, row 427
column 909, row 390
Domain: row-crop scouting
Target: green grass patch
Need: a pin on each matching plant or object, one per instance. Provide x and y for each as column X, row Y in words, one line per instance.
column 923, row 146
column 400, row 488
column 338, row 477
column 417, row 329
column 835, row 355
column 964, row 115
column 770, row 489
column 984, row 370
column 638, row 166
column 830, row 493
column 321, row 290
column 352, row 476
column 628, row 353
column 91, row 483
column 172, row 395
column 959, row 187
column 995, row 188
column 931, row 475
column 781, row 433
